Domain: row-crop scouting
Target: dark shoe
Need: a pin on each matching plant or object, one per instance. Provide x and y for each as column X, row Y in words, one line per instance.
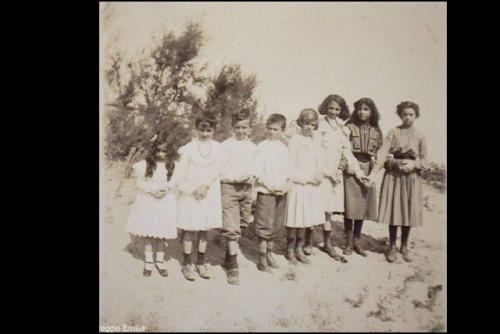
column 161, row 268
column 391, row 255
column 263, row 266
column 359, row 251
column 406, row 254
column 188, row 272
column 233, row 277
column 290, row 256
column 299, row 253
column 272, row 261
column 148, row 269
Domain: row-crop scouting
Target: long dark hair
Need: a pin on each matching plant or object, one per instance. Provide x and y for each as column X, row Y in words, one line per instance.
column 374, row 117
column 344, row 109
column 151, row 156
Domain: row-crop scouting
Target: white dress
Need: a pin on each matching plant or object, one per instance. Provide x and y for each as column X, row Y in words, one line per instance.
column 334, row 141
column 150, row 216
column 200, row 164
column 305, row 206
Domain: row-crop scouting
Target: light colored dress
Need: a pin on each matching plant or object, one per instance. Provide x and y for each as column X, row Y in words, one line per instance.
column 305, row 206
column 150, row 216
column 401, row 198
column 200, row 164
column 335, row 143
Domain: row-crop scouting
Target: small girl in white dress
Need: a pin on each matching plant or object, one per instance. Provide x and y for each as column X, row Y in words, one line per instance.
column 304, row 203
column 199, row 206
column 153, row 213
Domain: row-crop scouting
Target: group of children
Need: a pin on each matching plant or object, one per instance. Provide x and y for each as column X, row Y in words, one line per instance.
column 324, row 175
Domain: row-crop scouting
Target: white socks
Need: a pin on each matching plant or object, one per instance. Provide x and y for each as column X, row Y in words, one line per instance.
column 159, row 256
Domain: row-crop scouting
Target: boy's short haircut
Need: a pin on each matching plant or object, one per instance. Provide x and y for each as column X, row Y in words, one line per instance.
column 241, row 115
column 277, row 118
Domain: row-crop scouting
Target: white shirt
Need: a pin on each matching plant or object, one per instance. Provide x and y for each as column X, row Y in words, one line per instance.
column 238, row 158
column 270, row 166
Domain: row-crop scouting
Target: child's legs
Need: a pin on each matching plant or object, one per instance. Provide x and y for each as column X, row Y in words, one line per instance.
column 405, row 234
column 148, row 249
column 187, row 241
column 301, row 232
column 230, row 214
column 327, row 226
column 265, row 208
column 291, row 233
column 159, row 246
column 246, row 205
column 202, row 241
column 393, row 234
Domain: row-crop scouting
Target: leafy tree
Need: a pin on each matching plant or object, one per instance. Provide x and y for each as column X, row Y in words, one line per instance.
column 159, row 94
column 229, row 92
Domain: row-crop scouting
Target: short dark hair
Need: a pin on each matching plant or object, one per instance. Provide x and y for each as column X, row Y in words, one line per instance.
column 306, row 113
column 206, row 117
column 407, row 104
column 344, row 109
column 277, row 118
column 241, row 115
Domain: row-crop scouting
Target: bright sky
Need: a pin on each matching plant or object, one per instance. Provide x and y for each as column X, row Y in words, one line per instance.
column 301, row 52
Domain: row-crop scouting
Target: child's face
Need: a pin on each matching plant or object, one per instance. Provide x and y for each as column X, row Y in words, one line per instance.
column 364, row 112
column 333, row 109
column 308, row 125
column 274, row 131
column 161, row 154
column 408, row 116
column 241, row 129
column 205, row 132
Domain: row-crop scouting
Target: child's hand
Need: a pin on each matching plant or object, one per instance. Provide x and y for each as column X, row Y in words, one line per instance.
column 350, row 171
column 407, row 166
column 200, row 192
column 159, row 193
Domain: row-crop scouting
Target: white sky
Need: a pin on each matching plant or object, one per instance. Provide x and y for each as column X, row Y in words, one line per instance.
column 301, row 52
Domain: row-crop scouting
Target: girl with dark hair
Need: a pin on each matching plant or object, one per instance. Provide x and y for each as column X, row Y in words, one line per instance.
column 335, row 145
column 153, row 214
column 361, row 198
column 403, row 157
column 199, row 202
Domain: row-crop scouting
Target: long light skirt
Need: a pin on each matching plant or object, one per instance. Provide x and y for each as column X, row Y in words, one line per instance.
column 305, row 206
column 401, row 199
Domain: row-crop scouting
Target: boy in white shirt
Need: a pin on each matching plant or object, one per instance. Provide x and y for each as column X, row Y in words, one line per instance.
column 236, row 188
column 270, row 170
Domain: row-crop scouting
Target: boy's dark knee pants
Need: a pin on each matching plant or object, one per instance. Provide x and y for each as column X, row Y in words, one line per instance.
column 269, row 215
column 236, row 208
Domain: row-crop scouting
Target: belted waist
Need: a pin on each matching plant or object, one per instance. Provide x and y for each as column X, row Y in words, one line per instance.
column 363, row 157
column 408, row 155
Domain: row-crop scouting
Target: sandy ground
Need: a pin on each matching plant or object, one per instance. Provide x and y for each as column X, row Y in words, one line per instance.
column 366, row 294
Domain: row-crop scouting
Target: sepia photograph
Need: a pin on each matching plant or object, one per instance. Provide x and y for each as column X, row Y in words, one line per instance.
column 272, row 166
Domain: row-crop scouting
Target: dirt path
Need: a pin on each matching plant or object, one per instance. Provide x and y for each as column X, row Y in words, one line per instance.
column 366, row 294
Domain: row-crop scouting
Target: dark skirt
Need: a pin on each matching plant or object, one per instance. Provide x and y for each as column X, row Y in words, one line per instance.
column 401, row 199
column 360, row 201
